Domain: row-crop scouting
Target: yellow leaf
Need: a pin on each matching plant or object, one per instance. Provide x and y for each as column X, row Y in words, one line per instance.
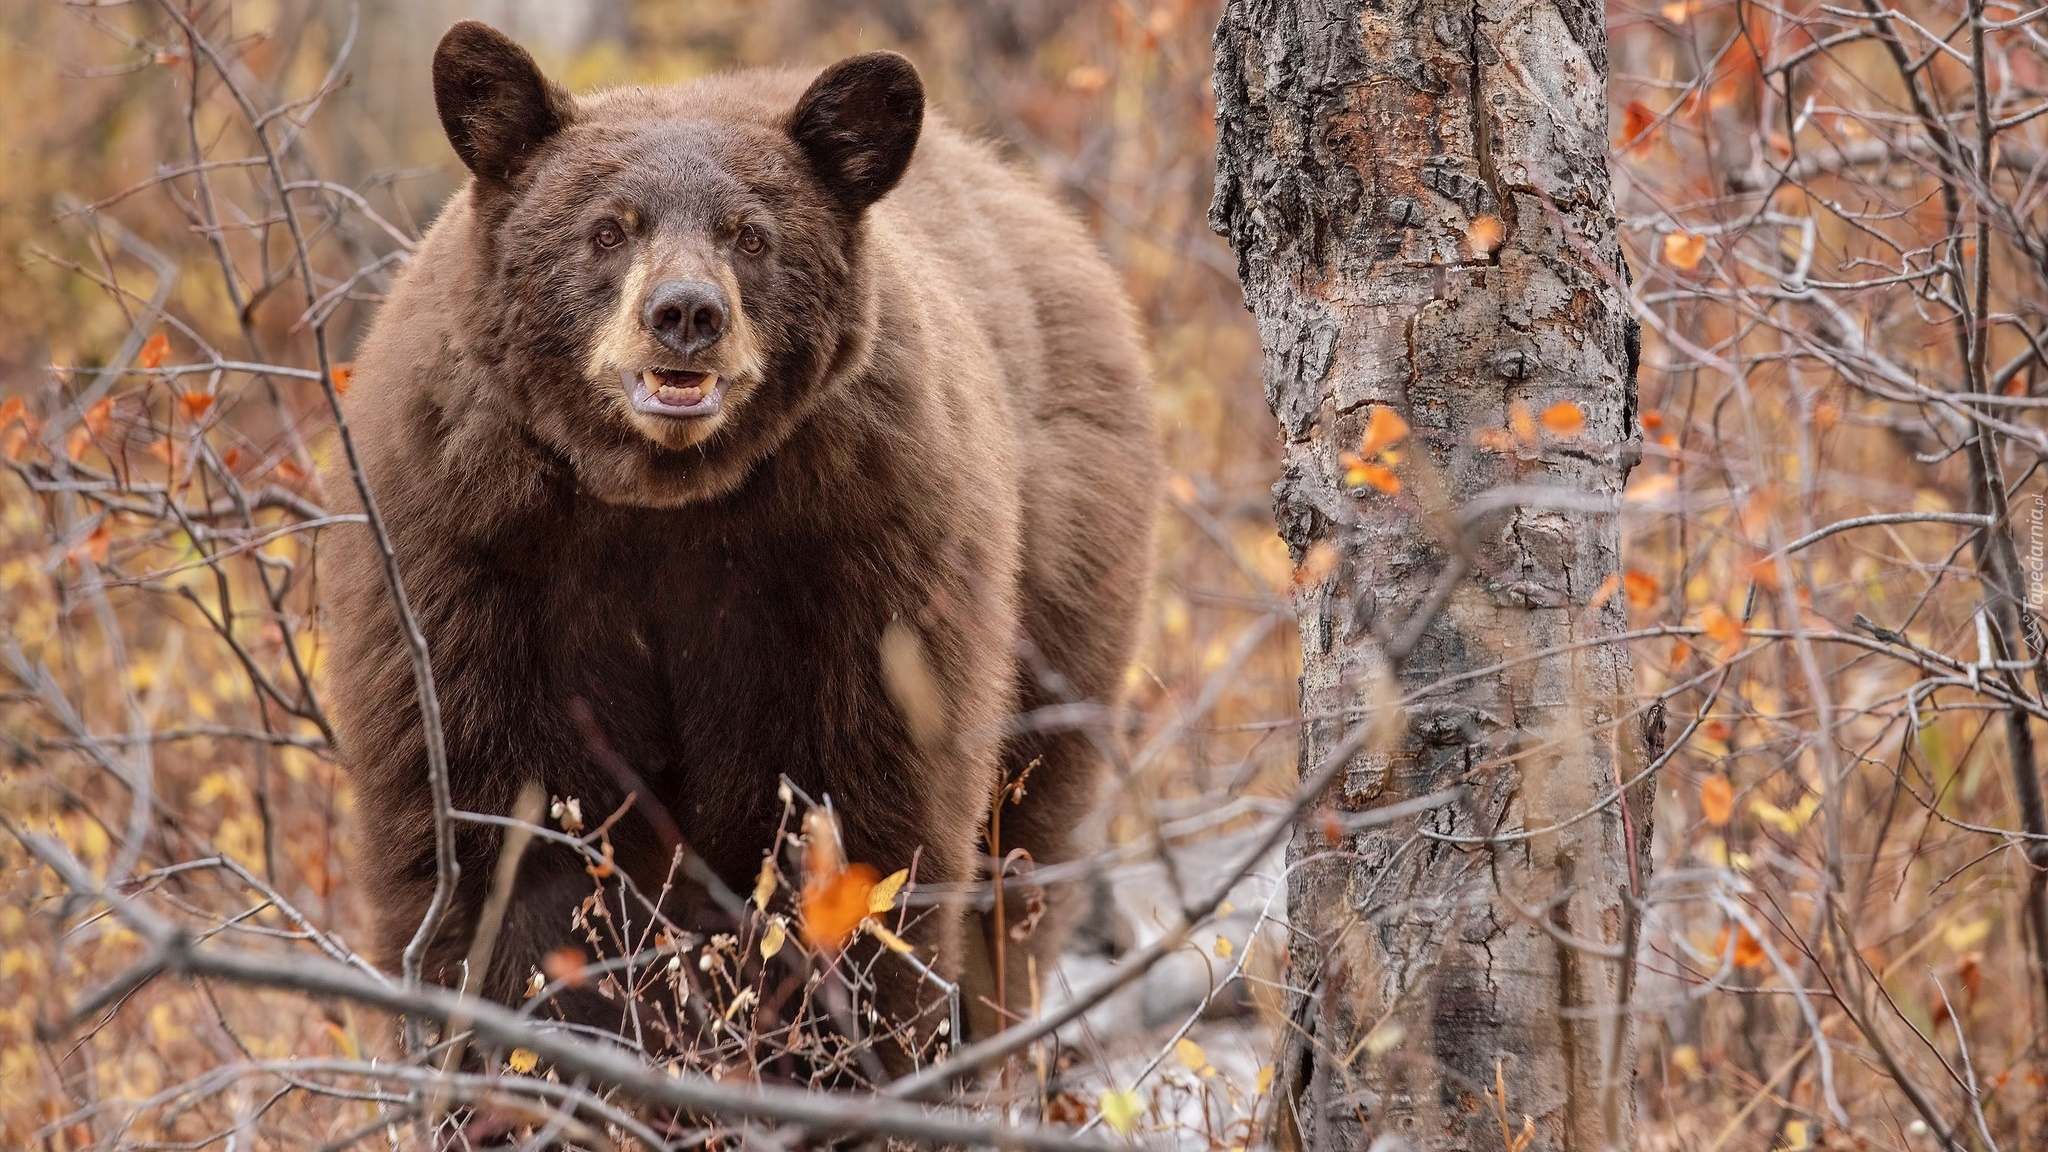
column 1264, row 1083
column 1120, row 1109
column 1717, row 799
column 1485, row 235
column 1963, row 937
column 1683, row 250
column 1796, row 1137
column 1788, row 821
column 1563, row 418
column 1384, row 429
column 1190, row 1054
column 523, row 1061
column 882, row 897
column 772, row 939
column 1383, row 1039
column 890, row 940
column 764, row 884
column 1223, row 948
column 1686, row 1059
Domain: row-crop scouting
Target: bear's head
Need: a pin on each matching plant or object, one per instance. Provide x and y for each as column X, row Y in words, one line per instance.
column 673, row 277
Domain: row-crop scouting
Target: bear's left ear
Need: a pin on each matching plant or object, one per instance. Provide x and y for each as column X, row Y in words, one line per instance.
column 858, row 125
column 494, row 103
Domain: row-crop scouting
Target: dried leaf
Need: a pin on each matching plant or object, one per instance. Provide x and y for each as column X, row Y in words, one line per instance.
column 194, row 404
column 1638, row 124
column 1485, row 235
column 1385, row 1038
column 1384, row 429
column 1190, row 1054
column 764, row 882
column 890, row 940
column 100, row 417
column 1717, row 799
column 565, row 965
column 1366, row 474
column 1563, row 418
column 1087, row 78
column 1721, row 627
column 773, row 939
column 1317, row 565
column 834, row 908
column 154, row 350
column 1521, row 423
column 882, row 897
column 1640, row 587
column 1683, row 250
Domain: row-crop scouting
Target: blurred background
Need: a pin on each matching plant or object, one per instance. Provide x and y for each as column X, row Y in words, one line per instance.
column 1782, row 194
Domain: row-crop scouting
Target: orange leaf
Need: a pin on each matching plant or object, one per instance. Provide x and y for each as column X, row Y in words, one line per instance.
column 1384, row 429
column 1652, row 421
column 1717, row 799
column 154, row 350
column 1523, row 424
column 342, row 373
column 832, row 909
column 12, row 409
column 1366, row 474
column 1605, row 592
column 1486, row 234
column 1749, row 952
column 1563, row 418
column 77, row 441
column 1683, row 250
column 565, row 965
column 1727, row 90
column 96, row 544
column 1320, row 561
column 194, row 404
column 1641, row 588
column 289, row 471
column 100, row 416
column 1717, row 730
column 1721, row 626
column 1638, row 124
column 231, row 459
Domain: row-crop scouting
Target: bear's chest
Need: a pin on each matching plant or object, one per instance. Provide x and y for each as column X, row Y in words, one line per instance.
column 710, row 667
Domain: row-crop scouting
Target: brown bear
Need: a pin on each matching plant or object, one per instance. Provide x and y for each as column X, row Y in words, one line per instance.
column 696, row 408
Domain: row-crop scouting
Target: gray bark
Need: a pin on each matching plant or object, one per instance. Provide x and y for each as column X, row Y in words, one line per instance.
column 1357, row 146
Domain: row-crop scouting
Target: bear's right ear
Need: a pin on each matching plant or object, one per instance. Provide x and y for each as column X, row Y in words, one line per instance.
column 858, row 124
column 495, row 105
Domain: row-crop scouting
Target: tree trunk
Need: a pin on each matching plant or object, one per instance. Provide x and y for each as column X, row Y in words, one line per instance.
column 1417, row 193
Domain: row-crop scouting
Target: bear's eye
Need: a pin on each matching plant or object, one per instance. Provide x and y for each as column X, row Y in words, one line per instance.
column 750, row 240
column 608, row 235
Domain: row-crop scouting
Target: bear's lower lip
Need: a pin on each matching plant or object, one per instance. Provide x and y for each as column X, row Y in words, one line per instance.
column 674, row 392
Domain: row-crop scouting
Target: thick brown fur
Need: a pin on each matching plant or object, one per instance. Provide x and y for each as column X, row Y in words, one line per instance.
column 937, row 415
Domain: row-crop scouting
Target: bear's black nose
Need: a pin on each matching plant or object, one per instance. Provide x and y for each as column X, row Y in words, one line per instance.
column 686, row 315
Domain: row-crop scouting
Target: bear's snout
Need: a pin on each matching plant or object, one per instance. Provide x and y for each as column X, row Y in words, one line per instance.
column 687, row 316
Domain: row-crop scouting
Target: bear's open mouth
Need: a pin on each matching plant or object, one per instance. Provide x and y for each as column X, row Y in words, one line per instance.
column 674, row 391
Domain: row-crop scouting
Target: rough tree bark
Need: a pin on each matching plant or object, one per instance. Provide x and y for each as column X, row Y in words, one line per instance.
column 1418, row 196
